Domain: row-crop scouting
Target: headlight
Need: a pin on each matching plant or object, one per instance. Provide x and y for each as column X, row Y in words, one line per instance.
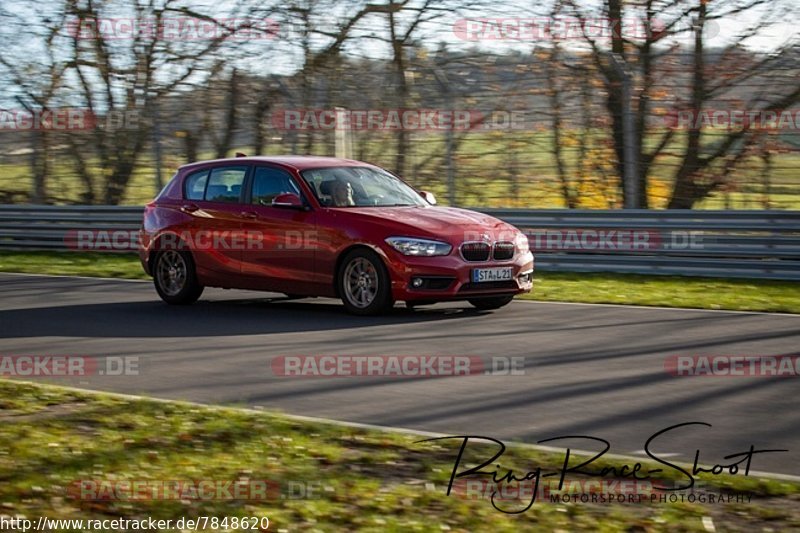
column 522, row 243
column 418, row 247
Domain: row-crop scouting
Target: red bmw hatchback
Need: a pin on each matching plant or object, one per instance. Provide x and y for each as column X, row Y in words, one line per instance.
column 320, row 226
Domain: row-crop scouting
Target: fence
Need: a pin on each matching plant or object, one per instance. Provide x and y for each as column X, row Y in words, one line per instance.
column 745, row 244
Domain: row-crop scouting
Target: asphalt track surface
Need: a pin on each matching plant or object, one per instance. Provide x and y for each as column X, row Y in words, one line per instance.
column 589, row 370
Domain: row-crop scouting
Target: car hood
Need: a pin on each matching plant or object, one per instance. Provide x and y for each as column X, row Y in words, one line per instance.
column 443, row 222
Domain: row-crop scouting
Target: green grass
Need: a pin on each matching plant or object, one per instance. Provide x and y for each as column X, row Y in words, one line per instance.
column 96, row 264
column 365, row 480
column 667, row 291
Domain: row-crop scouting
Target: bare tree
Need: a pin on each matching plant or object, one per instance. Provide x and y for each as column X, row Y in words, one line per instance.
column 37, row 83
column 691, row 181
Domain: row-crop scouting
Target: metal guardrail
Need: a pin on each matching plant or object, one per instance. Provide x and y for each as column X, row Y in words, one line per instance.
column 743, row 244
column 38, row 227
column 746, row 244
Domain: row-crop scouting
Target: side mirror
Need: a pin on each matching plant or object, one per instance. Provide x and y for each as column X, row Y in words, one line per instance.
column 429, row 197
column 288, row 200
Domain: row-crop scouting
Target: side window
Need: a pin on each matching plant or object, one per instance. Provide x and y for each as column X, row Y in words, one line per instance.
column 225, row 184
column 269, row 182
column 315, row 179
column 195, row 185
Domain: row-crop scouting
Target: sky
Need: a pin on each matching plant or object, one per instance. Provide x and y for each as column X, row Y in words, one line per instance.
column 282, row 55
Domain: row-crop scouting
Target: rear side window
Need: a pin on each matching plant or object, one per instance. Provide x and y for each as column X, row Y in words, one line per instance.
column 195, row 185
column 225, row 184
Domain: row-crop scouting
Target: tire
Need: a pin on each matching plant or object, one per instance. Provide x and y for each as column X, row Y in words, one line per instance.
column 363, row 283
column 175, row 278
column 495, row 302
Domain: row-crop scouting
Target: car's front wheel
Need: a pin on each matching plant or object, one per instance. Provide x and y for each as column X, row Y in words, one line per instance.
column 364, row 284
column 175, row 278
column 495, row 302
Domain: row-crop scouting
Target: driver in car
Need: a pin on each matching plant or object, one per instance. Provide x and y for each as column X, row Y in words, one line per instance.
column 342, row 194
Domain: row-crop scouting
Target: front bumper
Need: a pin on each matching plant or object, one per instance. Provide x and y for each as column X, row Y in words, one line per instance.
column 449, row 277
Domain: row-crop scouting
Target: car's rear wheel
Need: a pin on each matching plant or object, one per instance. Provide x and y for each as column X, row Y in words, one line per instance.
column 175, row 278
column 364, row 283
column 495, row 302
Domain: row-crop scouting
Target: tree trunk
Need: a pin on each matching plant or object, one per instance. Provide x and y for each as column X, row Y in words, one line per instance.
column 614, row 102
column 231, row 115
column 402, row 93
column 40, row 166
column 685, row 191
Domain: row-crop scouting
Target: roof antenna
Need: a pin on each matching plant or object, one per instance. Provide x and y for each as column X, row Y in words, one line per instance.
column 241, row 154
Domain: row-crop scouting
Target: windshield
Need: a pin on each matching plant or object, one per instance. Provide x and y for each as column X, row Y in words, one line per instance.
column 359, row 187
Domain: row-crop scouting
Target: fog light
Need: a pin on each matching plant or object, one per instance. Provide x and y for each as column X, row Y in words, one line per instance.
column 417, row 282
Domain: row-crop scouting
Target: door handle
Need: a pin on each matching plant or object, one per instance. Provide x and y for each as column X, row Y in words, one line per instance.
column 189, row 208
column 249, row 215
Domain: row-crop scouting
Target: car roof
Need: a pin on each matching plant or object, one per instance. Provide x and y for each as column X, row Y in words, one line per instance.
column 297, row 162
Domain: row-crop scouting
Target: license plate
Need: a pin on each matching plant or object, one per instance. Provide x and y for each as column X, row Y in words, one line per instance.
column 480, row 275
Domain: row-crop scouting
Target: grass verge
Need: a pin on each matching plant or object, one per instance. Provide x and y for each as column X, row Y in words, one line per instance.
column 349, row 478
column 667, row 291
column 98, row 264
